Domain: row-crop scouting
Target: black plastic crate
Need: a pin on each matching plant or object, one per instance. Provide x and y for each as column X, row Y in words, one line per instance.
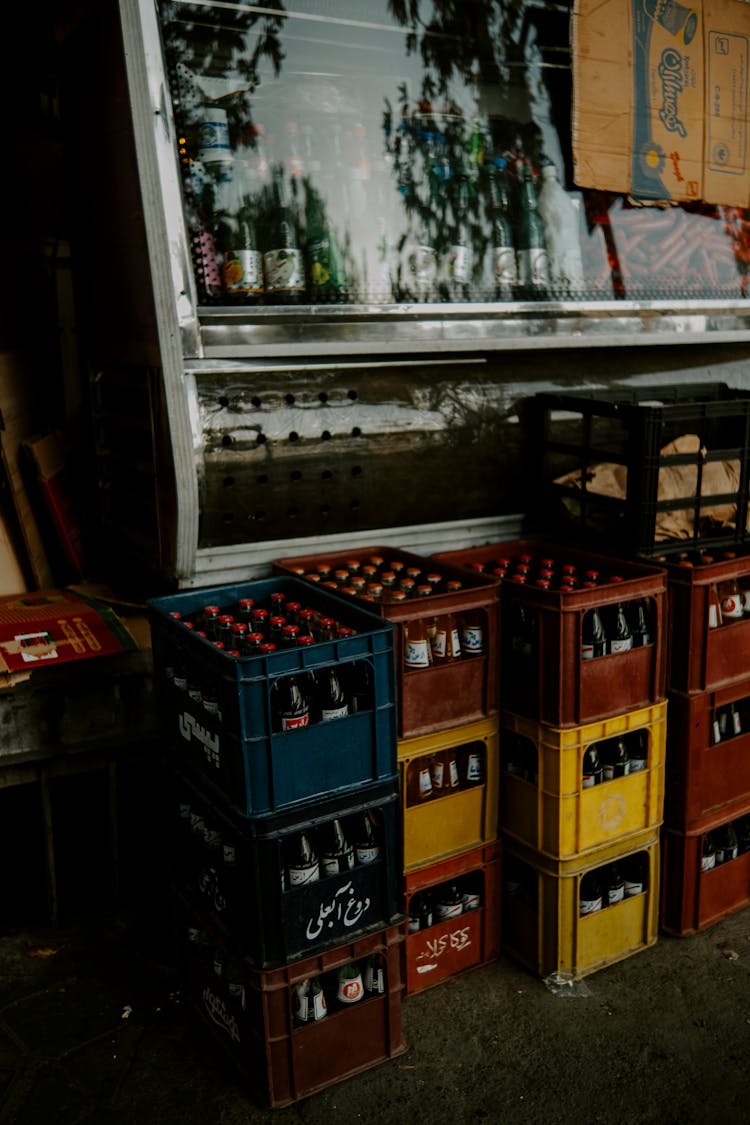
column 623, row 440
column 232, row 869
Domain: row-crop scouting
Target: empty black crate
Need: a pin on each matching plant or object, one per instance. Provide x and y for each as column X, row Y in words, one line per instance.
column 648, row 471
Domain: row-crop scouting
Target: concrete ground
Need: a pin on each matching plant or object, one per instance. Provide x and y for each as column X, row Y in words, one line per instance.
column 93, row 1031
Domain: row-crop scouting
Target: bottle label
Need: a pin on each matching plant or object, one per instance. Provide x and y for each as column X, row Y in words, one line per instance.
column 327, row 713
column 637, row 765
column 506, row 273
column 440, row 643
column 338, row 864
column 591, row 905
column 318, row 1003
column 351, row 989
column 472, row 639
column 284, row 271
column 588, row 780
column 633, row 887
column 717, row 731
column 416, row 654
column 455, row 643
column 367, row 853
column 736, row 724
column 615, row 894
column 471, row 901
column 325, row 268
column 608, row 773
column 731, row 606
column 474, row 768
column 425, row 782
column 299, row 876
column 587, row 651
column 713, row 616
column 449, row 910
column 213, row 137
column 708, row 862
column 460, row 264
column 413, row 923
column 533, row 267
column 453, row 779
column 374, row 979
column 437, row 770
column 422, row 263
column 292, row 722
column 243, row 271
column 622, row 644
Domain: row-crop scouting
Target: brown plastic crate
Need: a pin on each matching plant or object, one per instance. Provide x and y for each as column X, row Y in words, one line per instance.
column 702, row 658
column 452, row 947
column 552, row 683
column 251, row 1014
column 693, row 900
column 435, row 698
column 705, row 777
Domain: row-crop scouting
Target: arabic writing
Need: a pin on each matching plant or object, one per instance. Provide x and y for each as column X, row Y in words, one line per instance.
column 190, row 728
column 435, row 947
column 343, row 908
column 217, row 1011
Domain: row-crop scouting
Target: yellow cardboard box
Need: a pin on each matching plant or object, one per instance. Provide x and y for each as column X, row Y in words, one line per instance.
column 660, row 98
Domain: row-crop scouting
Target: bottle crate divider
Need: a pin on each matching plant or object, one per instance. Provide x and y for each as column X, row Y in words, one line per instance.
column 708, row 754
column 542, row 925
column 703, row 656
column 456, row 819
column 454, row 945
column 440, row 696
column 660, row 469
column 694, row 899
column 231, row 868
column 251, row 1013
column 556, row 814
column 234, row 743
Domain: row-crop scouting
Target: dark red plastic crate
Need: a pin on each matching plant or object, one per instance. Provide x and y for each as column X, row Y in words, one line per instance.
column 435, row 698
column 452, row 947
column 693, row 900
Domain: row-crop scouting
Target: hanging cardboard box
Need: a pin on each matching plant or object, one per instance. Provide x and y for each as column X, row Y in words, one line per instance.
column 660, row 99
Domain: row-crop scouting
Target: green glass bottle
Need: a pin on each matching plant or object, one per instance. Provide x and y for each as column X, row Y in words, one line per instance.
column 531, row 249
column 283, row 267
column 503, row 272
column 325, row 259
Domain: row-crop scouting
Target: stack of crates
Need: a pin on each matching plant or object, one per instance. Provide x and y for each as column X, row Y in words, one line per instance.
column 299, row 981
column 706, row 839
column 559, row 833
column 448, row 759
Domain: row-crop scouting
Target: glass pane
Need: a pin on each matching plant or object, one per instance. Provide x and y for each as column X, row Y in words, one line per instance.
column 404, row 150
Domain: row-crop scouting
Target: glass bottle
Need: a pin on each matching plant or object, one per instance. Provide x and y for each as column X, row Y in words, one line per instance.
column 727, row 847
column 302, row 861
column 336, row 854
column 639, row 625
column 635, row 873
column 473, row 771
column 730, row 599
column 350, row 985
column 504, row 271
column 416, row 646
column 620, row 637
column 615, row 890
column 289, row 704
column 591, row 893
column 592, row 769
column 449, row 902
column 366, row 844
column 531, row 249
column 615, row 759
column 446, row 645
column 325, row 259
column 283, row 267
column 237, row 240
column 593, row 636
column 708, row 852
column 714, row 608
column 460, row 251
column 332, row 701
column 472, row 632
column 561, row 231
column 638, row 751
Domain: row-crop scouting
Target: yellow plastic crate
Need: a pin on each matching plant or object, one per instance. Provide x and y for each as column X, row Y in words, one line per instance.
column 542, row 925
column 557, row 816
column 459, row 818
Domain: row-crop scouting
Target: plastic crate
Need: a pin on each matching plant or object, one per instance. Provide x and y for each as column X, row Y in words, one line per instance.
column 674, row 497
column 703, row 656
column 549, row 809
column 233, row 743
column 693, row 899
column 456, row 819
column 542, row 925
column 704, row 776
column 251, row 1014
column 438, row 697
column 452, row 946
column 543, row 674
column 230, row 867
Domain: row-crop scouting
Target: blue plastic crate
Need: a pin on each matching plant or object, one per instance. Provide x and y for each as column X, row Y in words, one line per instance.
column 232, row 741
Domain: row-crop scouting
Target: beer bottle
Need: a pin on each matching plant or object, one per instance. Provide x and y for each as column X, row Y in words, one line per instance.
column 638, row 751
column 302, row 862
column 504, row 272
column 350, row 987
column 591, row 893
column 452, row 778
column 437, row 773
column 420, row 781
column 708, row 852
column 472, row 633
column 714, row 608
column 531, row 250
column 282, row 259
column 592, row 773
column 473, row 772
column 449, row 902
column 416, row 647
column 336, row 854
column 634, row 871
column 734, row 722
column 615, row 884
column 447, row 643
column 426, row 912
column 639, row 626
column 727, row 847
column 289, row 705
column 594, row 638
column 366, row 846
column 332, row 701
column 621, row 638
column 615, row 759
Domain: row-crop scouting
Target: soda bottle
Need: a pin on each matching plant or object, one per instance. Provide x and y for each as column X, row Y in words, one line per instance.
column 638, row 751
column 592, row 773
column 615, row 884
column 366, row 845
column 531, row 249
column 446, row 645
column 437, row 773
column 727, row 847
column 359, row 687
column 615, row 759
column 374, row 976
column 472, row 633
column 283, row 267
column 350, row 986
column 639, row 626
column 237, row 240
column 302, row 862
column 336, row 854
column 309, row 1001
column 504, row 272
column 714, row 608
column 591, row 893
column 634, row 871
column 416, row 646
column 332, row 701
column 593, row 636
column 289, row 704
column 449, row 902
column 473, row 772
column 325, row 258
column 620, row 638
column 708, row 852
column 561, row 230
column 458, row 286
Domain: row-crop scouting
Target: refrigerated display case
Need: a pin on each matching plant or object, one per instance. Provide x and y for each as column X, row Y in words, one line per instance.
column 336, row 227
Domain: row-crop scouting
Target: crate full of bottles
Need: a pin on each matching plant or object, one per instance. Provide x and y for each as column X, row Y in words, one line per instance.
column 449, row 797
column 708, row 752
column 706, row 871
column 293, row 1031
column 275, row 691
column 289, row 884
column 583, row 635
column 453, row 910
column 709, row 606
column 650, row 471
column 574, row 917
column 445, row 629
column 568, row 791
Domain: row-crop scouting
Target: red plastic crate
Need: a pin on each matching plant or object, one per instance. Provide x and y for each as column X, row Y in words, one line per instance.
column 692, row 899
column 251, row 1014
column 551, row 682
column 438, row 697
column 705, row 777
column 702, row 658
column 451, row 947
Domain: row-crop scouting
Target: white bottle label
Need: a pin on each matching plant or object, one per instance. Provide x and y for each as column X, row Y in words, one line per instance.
column 449, row 910
column 533, row 267
column 299, row 876
column 736, row 725
column 328, row 713
column 453, row 779
column 608, row 773
column 731, row 606
column 416, row 654
column 615, row 894
column 283, row 270
column 623, row 645
column 460, row 264
column 368, row 854
column 472, row 639
column 587, row 652
column 474, row 768
column 439, row 643
column 350, row 989
column 591, row 905
column 318, row 1003
column 633, row 887
column 506, row 273
column 425, row 782
column 455, row 643
column 637, row 765
column 437, row 771
column 588, row 781
column 471, row 901
column 708, row 862
column 243, row 271
column 713, row 616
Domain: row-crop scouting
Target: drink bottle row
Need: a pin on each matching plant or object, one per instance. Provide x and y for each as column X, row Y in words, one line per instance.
column 286, row 215
column 603, row 761
column 380, row 579
column 315, row 997
column 332, row 849
column 445, row 901
column 725, row 843
column 446, row 771
column 250, row 629
column 730, row 720
column 612, row 883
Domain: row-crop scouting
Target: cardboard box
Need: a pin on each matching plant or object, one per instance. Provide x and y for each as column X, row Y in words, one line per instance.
column 660, row 99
